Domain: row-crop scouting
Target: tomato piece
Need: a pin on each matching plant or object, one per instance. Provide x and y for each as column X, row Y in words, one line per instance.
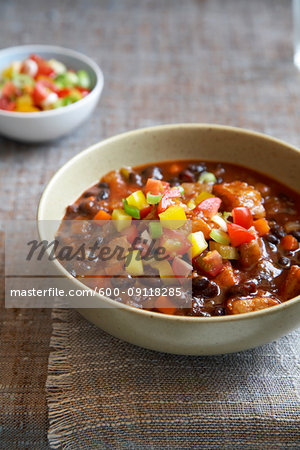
column 9, row 90
column 239, row 235
column 48, row 83
column 209, row 207
column 165, row 184
column 83, row 91
column 40, row 92
column 43, row 67
column 154, row 186
column 131, row 233
column 63, row 92
column 289, row 243
column 181, row 268
column 165, row 305
column 211, row 263
column 6, row 104
column 175, row 242
column 242, row 216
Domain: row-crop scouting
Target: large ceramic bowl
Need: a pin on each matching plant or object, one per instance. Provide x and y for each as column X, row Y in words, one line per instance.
column 47, row 125
column 176, row 334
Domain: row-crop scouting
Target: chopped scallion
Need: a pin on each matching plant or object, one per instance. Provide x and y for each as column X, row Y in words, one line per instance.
column 207, row 177
column 153, row 199
column 219, row 236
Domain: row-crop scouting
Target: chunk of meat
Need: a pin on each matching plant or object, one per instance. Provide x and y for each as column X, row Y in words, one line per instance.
column 291, row 286
column 239, row 193
column 228, row 277
column 243, row 305
column 250, row 253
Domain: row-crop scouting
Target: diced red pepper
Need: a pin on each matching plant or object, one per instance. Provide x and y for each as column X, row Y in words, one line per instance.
column 167, row 199
column 209, row 207
column 242, row 216
column 144, row 212
column 154, row 186
column 239, row 235
column 211, row 263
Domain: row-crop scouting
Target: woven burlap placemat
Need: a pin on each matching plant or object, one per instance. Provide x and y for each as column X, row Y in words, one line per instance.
column 105, row 393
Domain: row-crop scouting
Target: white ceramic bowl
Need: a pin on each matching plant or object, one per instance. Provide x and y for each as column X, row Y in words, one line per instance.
column 47, row 125
column 177, row 334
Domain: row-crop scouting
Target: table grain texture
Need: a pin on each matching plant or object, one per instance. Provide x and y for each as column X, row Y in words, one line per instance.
column 227, row 62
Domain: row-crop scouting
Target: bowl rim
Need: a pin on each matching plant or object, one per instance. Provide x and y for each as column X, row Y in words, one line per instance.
column 36, row 48
column 157, row 128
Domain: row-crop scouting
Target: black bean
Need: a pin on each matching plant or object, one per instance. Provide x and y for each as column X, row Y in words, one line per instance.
column 174, row 181
column 89, row 207
column 219, row 311
column 72, row 211
column 284, row 262
column 285, row 198
column 277, row 231
column 199, row 284
column 242, row 290
column 151, row 277
column 272, row 239
column 296, row 234
column 135, row 178
column 219, row 180
column 211, row 291
column 186, row 176
column 197, row 167
column 103, row 185
column 101, row 191
column 152, row 172
column 122, row 282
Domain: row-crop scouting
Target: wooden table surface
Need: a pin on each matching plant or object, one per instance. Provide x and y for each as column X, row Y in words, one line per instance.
column 163, row 61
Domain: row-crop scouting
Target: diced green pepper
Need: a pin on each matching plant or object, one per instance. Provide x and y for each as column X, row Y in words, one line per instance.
column 133, row 211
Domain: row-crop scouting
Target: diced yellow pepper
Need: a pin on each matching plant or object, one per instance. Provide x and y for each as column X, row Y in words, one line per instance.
column 26, row 108
column 7, row 73
column 191, row 204
column 75, row 93
column 173, row 217
column 134, row 264
column 122, row 220
column 202, row 196
column 138, row 200
column 24, row 100
column 165, row 271
column 198, row 242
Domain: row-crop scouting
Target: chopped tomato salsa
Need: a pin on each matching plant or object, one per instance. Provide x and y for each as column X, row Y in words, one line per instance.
column 37, row 84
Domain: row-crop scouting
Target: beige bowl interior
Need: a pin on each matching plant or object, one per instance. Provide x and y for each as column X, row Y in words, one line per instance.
column 172, row 142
